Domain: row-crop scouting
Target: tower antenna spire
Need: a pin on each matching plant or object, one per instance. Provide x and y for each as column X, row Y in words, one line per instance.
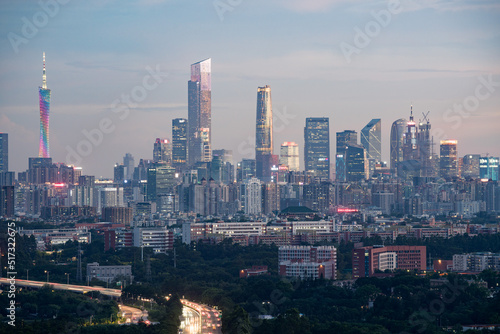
column 44, row 75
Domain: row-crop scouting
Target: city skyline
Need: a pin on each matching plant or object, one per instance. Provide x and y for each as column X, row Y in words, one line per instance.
column 436, row 84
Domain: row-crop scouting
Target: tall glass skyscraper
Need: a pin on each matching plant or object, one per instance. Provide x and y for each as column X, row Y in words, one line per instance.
column 448, row 161
column 397, row 140
column 4, row 152
column 199, row 109
column 344, row 139
column 289, row 155
column 162, row 151
column 356, row 163
column 489, row 168
column 44, row 99
column 317, row 146
column 371, row 140
column 179, row 143
column 264, row 132
column 424, row 144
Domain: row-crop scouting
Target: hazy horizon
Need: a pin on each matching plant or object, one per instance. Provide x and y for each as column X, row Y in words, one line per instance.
column 438, row 56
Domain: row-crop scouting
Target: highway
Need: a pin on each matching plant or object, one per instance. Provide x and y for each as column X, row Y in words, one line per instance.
column 133, row 315
column 196, row 318
column 115, row 293
column 202, row 316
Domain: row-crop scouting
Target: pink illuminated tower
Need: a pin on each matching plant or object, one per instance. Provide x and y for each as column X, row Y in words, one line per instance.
column 44, row 98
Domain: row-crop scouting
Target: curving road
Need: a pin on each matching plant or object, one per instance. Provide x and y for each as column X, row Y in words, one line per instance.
column 196, row 318
column 204, row 319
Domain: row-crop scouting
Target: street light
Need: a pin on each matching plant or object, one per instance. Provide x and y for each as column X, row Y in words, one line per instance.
column 67, row 275
column 47, row 272
column 27, row 274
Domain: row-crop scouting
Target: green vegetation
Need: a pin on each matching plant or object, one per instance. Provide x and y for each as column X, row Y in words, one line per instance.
column 209, row 274
column 53, row 311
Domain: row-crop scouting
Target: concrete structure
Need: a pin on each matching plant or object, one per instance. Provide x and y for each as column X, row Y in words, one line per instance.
column 109, row 273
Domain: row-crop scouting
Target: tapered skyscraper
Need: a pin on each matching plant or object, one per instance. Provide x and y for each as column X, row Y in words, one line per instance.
column 371, row 139
column 200, row 110
column 44, row 98
column 264, row 132
column 397, row 142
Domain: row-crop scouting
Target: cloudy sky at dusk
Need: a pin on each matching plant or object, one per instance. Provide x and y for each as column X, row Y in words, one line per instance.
column 321, row 58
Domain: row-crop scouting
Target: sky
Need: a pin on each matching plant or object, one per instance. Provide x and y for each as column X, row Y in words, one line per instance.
column 118, row 71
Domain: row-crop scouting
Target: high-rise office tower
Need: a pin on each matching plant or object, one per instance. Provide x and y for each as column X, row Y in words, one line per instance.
column 448, row 161
column 179, row 143
column 199, row 109
column 44, row 99
column 470, row 166
column 356, row 163
column 317, row 146
column 289, row 155
column 4, row 152
column 424, row 145
column 489, row 168
column 245, row 169
column 397, row 142
column 264, row 132
column 119, row 173
column 206, row 148
column 371, row 140
column 128, row 162
column 344, row 138
column 410, row 151
column 162, row 151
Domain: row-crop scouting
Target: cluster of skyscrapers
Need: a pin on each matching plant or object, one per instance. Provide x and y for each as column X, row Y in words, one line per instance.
column 187, row 175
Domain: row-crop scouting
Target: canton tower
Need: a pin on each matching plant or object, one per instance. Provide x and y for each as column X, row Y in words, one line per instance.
column 44, row 98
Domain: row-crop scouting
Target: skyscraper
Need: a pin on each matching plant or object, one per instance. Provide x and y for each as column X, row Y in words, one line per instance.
column 410, row 151
column 356, row 163
column 264, row 132
column 317, row 146
column 470, row 166
column 397, row 142
column 289, row 155
column 4, row 152
column 162, row 151
column 489, row 168
column 179, row 143
column 128, row 162
column 44, row 99
column 448, row 161
column 424, row 144
column 371, row 140
column 344, row 138
column 199, row 109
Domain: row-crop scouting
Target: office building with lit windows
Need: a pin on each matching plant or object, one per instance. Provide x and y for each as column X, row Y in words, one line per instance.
column 317, row 147
column 448, row 161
